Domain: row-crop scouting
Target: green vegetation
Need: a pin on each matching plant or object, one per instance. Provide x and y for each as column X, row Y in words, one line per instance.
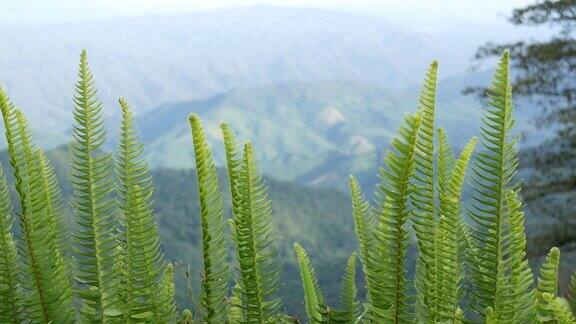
column 471, row 264
column 317, row 218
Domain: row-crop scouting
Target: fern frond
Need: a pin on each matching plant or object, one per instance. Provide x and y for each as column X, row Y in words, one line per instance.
column 56, row 214
column 216, row 270
column 493, row 177
column 364, row 224
column 424, row 196
column 348, row 304
column 56, row 207
column 445, row 168
column 233, row 160
column 390, row 300
column 518, row 300
column 312, row 294
column 548, row 284
column 98, row 247
column 449, row 273
column 493, row 171
column 10, row 290
column 165, row 300
column 130, row 167
column 256, row 246
column 43, row 278
column 143, row 259
column 559, row 312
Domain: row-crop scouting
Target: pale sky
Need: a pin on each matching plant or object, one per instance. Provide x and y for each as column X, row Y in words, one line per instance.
column 426, row 12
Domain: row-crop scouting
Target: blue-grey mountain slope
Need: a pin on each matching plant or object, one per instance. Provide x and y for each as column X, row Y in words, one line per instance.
column 311, row 133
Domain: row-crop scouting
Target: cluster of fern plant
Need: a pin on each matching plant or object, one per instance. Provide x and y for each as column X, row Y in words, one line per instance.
column 472, row 264
column 106, row 264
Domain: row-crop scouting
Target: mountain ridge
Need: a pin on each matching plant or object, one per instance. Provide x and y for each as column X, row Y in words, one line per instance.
column 310, row 133
column 160, row 59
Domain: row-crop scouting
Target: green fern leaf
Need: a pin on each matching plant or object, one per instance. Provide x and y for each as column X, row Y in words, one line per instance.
column 334, row 316
column 256, row 246
column 348, row 304
column 390, row 299
column 216, row 270
column 448, row 269
column 130, row 167
column 424, row 195
column 10, row 290
column 446, row 163
column 493, row 265
column 518, row 301
column 165, row 300
column 548, row 284
column 56, row 207
column 348, row 312
column 559, row 311
column 493, row 173
column 144, row 262
column 233, row 160
column 364, row 224
column 312, row 294
column 44, row 283
column 98, row 248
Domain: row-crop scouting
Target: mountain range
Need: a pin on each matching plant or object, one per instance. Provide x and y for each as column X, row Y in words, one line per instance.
column 310, row 133
column 155, row 60
column 318, row 91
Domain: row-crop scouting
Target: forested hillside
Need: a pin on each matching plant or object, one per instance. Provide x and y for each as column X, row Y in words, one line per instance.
column 314, row 134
